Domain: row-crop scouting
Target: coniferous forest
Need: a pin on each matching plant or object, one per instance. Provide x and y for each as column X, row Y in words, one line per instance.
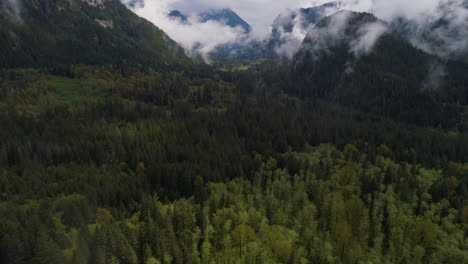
column 159, row 160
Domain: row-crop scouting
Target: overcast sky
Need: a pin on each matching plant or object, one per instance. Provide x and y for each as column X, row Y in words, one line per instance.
column 261, row 13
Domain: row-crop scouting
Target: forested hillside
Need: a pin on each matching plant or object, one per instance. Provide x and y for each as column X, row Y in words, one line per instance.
column 392, row 78
column 139, row 156
column 38, row 33
column 179, row 168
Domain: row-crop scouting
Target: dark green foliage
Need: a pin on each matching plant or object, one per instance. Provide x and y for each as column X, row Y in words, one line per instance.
column 127, row 163
column 58, row 33
column 394, row 80
column 85, row 155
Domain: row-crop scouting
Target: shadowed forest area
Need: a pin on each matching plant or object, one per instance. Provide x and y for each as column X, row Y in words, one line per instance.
column 116, row 147
column 100, row 166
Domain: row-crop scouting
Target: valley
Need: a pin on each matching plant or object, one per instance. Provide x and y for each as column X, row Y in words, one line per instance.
column 337, row 137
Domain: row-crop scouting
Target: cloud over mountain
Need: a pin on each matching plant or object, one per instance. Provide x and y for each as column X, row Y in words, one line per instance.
column 419, row 15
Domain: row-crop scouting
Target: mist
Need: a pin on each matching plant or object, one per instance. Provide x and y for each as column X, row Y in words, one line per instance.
column 196, row 37
column 15, row 7
column 368, row 35
column 203, row 38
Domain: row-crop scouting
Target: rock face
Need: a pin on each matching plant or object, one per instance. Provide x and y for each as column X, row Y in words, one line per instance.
column 105, row 23
column 356, row 60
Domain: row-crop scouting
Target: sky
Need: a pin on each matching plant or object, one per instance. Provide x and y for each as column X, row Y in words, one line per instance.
column 261, row 13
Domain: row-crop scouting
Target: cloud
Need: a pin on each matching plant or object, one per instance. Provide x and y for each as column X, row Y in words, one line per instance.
column 437, row 26
column 359, row 39
column 320, row 39
column 437, row 72
column 368, row 35
column 15, row 6
column 289, row 42
column 193, row 35
column 260, row 14
column 388, row 10
column 446, row 33
column 291, row 27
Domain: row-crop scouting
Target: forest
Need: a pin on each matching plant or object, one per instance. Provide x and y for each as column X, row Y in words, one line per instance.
column 116, row 147
column 125, row 164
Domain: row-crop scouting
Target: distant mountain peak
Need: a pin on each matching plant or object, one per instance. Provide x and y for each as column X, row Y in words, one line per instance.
column 176, row 14
column 306, row 16
column 136, row 3
column 290, row 28
column 444, row 35
column 227, row 16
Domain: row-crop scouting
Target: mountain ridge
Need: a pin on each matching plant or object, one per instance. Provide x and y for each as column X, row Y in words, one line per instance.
column 226, row 16
column 380, row 76
column 84, row 31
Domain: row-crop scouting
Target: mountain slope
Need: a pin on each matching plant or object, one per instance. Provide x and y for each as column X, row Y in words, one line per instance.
column 289, row 29
column 443, row 34
column 357, row 60
column 61, row 32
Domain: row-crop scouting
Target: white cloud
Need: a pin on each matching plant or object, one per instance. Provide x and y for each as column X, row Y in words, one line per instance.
column 320, row 39
column 204, row 36
column 368, row 35
column 261, row 13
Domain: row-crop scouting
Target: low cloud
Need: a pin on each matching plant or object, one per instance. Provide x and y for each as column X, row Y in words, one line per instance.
column 437, row 26
column 336, row 32
column 446, row 34
column 203, row 38
column 368, row 35
column 291, row 28
column 320, row 40
column 290, row 42
column 13, row 6
column 437, row 72
column 193, row 35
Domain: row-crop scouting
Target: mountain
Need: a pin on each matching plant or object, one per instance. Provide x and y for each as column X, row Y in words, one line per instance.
column 353, row 152
column 178, row 15
column 303, row 18
column 443, row 34
column 62, row 32
column 290, row 28
column 226, row 16
column 136, row 3
column 243, row 49
column 288, row 31
column 357, row 60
